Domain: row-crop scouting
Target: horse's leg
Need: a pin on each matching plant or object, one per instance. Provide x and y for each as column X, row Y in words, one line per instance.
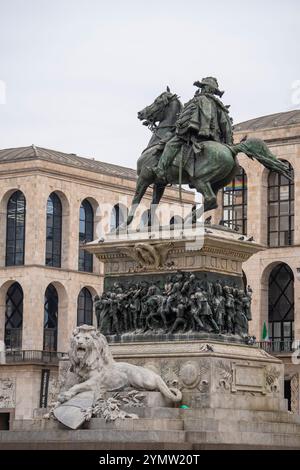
column 210, row 200
column 141, row 187
column 158, row 192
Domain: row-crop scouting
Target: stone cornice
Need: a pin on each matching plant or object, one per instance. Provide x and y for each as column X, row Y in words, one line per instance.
column 23, row 267
column 89, row 181
column 219, row 252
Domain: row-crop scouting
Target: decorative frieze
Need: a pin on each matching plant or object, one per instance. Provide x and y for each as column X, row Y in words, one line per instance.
column 7, row 393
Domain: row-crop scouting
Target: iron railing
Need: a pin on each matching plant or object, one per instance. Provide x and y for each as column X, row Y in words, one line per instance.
column 13, row 338
column 279, row 346
column 50, row 339
column 44, row 357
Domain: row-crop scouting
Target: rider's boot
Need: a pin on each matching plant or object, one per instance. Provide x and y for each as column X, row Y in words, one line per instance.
column 160, row 175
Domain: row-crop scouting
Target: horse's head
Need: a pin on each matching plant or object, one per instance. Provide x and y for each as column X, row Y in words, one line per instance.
column 156, row 111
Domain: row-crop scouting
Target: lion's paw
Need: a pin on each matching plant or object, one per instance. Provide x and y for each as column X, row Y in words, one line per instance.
column 64, row 396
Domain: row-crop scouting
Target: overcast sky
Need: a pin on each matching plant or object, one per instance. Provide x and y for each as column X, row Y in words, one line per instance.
column 77, row 71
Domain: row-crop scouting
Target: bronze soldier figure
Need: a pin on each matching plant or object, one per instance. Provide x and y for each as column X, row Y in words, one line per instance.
column 204, row 117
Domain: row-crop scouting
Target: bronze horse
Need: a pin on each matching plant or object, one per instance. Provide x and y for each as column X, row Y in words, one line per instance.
column 206, row 166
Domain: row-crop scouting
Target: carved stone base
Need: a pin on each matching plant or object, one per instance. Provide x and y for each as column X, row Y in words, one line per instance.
column 233, row 395
column 213, row 374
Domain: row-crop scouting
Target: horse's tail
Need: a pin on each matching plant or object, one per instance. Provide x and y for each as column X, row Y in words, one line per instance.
column 256, row 148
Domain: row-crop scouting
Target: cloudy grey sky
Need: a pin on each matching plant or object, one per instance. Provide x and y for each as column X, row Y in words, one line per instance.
column 77, row 71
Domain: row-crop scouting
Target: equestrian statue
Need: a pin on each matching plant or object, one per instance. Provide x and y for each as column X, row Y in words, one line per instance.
column 193, row 145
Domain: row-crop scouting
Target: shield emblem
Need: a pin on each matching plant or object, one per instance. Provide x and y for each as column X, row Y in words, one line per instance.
column 72, row 413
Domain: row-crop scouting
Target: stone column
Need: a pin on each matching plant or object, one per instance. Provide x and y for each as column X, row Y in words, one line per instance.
column 72, row 240
column 33, row 310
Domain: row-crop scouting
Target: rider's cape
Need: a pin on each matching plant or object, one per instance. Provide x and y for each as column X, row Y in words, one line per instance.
column 205, row 117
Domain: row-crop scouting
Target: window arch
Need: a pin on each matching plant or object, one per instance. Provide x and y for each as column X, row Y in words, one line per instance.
column 280, row 209
column 53, row 231
column 15, row 229
column 118, row 216
column 14, row 317
column 281, row 307
column 176, row 220
column 84, row 307
column 145, row 219
column 235, row 203
column 86, row 234
column 50, row 319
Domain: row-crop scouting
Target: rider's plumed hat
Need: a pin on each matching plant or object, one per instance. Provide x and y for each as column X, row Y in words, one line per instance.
column 212, row 83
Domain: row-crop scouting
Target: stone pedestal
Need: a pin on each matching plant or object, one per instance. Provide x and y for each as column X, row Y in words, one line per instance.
column 211, row 249
column 232, row 391
column 146, row 263
column 212, row 374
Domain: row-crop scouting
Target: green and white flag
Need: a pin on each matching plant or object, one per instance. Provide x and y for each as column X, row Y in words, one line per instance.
column 265, row 336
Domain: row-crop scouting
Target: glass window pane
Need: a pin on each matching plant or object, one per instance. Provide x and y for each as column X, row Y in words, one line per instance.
column 284, row 223
column 14, row 317
column 273, row 239
column 53, row 231
column 277, row 329
column 284, row 193
column 273, row 221
column 15, row 229
column 235, row 203
column 287, row 332
column 273, row 193
column 86, row 232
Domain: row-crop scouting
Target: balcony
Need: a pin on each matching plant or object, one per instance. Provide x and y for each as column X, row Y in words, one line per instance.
column 28, row 356
column 50, row 339
column 275, row 347
column 13, row 338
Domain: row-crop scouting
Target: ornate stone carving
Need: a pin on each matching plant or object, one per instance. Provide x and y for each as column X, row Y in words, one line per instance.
column 148, row 256
column 169, row 370
column 110, row 408
column 53, row 389
column 225, row 375
column 272, row 379
column 206, row 348
column 295, row 394
column 7, row 393
column 195, row 375
column 97, row 372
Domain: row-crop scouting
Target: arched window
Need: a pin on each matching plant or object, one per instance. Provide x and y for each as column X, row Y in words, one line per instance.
column 50, row 319
column 86, row 234
column 53, row 231
column 144, row 220
column 280, row 209
column 14, row 317
column 15, row 229
column 84, row 307
column 176, row 221
column 235, row 203
column 281, row 307
column 118, row 216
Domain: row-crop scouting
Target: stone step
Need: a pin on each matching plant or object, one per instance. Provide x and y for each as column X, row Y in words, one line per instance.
column 244, row 439
column 157, row 412
column 210, row 424
column 91, row 435
column 142, row 424
column 245, row 415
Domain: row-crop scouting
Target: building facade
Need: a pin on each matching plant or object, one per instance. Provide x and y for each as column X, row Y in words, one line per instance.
column 263, row 205
column 52, row 203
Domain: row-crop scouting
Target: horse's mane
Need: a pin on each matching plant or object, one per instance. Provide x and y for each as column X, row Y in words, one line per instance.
column 151, row 154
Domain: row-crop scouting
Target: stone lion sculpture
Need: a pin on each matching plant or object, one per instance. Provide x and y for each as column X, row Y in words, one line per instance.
column 97, row 371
